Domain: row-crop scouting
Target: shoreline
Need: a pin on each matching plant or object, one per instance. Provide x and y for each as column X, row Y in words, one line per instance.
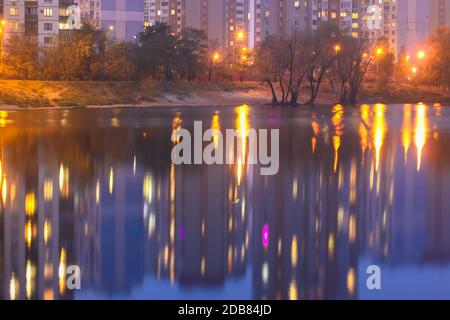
column 16, row 95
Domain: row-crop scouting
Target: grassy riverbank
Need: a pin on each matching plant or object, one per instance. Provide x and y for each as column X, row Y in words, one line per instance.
column 18, row 93
column 83, row 93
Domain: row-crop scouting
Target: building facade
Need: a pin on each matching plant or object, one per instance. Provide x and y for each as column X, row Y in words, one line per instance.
column 403, row 23
column 439, row 14
column 122, row 19
column 283, row 17
column 164, row 11
column 39, row 20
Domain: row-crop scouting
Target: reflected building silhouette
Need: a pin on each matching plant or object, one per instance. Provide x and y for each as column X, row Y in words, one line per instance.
column 353, row 183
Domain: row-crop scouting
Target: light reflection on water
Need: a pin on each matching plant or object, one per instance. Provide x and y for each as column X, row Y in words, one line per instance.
column 96, row 188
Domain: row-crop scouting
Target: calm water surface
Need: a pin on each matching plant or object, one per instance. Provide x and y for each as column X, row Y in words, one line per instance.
column 97, row 189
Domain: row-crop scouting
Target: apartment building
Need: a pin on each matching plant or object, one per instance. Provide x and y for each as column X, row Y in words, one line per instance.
column 41, row 20
column 405, row 24
column 345, row 13
column 208, row 15
column 439, row 14
column 164, row 11
column 283, row 17
column 122, row 19
column 35, row 19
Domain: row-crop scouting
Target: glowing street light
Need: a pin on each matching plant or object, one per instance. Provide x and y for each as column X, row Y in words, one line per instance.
column 216, row 56
column 337, row 49
column 421, row 55
column 240, row 35
column 414, row 70
column 378, row 52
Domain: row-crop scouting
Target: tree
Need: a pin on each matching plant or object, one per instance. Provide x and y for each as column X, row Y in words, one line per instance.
column 21, row 58
column 385, row 61
column 322, row 57
column 192, row 51
column 156, row 54
column 213, row 56
column 119, row 61
column 270, row 65
column 438, row 67
column 352, row 64
column 79, row 55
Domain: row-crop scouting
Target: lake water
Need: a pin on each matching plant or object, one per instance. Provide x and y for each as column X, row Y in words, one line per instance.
column 96, row 188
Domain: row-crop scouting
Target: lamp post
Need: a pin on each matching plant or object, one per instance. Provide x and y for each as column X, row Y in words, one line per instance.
column 420, row 56
column 337, row 49
column 378, row 52
column 239, row 36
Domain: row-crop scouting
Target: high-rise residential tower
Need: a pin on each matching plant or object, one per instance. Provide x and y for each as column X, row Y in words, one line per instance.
column 164, row 11
column 37, row 20
column 122, row 19
column 283, row 17
column 439, row 14
column 403, row 23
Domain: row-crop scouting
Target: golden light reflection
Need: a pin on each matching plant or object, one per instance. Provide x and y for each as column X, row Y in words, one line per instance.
column 215, row 124
column 97, row 192
column 243, row 124
column 379, row 131
column 176, row 124
column 294, row 252
column 352, row 228
column 64, row 181
column 4, row 191
column 30, row 274
column 29, row 233
column 111, row 180
column 4, row 121
column 147, row 188
column 62, row 270
column 47, row 230
column 13, row 288
column 406, row 130
column 48, row 190
column 337, row 120
column 351, row 281
column 331, row 245
column 316, row 129
column 420, row 132
column 293, row 290
column 295, row 189
column 30, row 204
column 363, row 132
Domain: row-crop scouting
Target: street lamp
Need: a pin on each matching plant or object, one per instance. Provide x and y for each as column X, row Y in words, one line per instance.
column 378, row 52
column 239, row 36
column 420, row 55
column 337, row 49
